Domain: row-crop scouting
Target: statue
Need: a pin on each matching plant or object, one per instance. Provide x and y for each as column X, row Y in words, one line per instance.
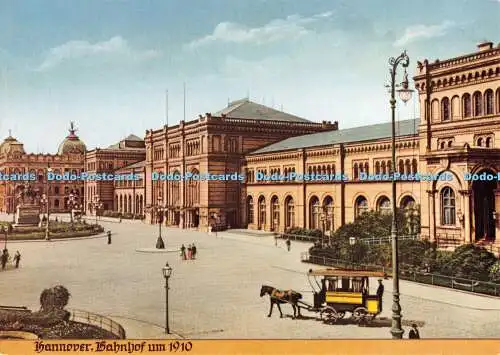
column 26, row 194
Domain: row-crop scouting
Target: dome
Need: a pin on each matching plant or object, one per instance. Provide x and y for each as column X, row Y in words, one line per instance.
column 72, row 144
column 11, row 145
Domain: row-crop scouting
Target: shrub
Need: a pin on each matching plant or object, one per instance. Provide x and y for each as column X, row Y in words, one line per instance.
column 495, row 272
column 471, row 262
column 54, row 298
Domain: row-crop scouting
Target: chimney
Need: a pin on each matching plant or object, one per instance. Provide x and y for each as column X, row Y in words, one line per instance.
column 485, row 46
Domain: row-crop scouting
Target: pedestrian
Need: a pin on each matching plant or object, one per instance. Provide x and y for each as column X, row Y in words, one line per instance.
column 17, row 258
column 5, row 258
column 288, row 244
column 275, row 239
column 183, row 252
column 414, row 333
column 380, row 293
column 109, row 237
column 120, row 219
column 190, row 252
column 193, row 251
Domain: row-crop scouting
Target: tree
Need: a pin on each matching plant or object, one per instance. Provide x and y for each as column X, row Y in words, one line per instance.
column 495, row 272
column 471, row 262
column 54, row 298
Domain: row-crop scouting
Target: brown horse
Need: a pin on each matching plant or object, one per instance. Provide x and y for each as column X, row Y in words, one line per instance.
column 278, row 297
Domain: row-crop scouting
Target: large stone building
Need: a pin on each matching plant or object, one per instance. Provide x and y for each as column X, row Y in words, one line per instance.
column 216, row 144
column 107, row 160
column 69, row 159
column 457, row 134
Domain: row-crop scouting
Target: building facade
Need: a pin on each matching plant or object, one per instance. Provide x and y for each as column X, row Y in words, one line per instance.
column 107, row 160
column 213, row 144
column 130, row 195
column 69, row 159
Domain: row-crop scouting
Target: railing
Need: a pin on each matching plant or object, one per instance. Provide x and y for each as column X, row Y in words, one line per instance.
column 98, row 321
column 388, row 239
column 411, row 274
column 298, row 237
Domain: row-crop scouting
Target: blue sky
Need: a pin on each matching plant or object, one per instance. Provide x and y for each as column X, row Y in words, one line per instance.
column 106, row 64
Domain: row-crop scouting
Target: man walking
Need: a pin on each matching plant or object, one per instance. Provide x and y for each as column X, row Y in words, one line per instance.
column 414, row 333
column 380, row 293
column 17, row 258
column 183, row 252
column 109, row 237
column 193, row 251
column 288, row 244
column 5, row 258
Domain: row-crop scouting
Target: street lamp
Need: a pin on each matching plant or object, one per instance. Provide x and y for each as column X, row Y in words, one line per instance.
column 405, row 95
column 45, row 202
column 4, row 231
column 167, row 271
column 46, row 197
column 323, row 219
column 160, row 211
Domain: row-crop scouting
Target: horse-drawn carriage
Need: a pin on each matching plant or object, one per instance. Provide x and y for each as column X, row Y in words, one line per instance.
column 337, row 292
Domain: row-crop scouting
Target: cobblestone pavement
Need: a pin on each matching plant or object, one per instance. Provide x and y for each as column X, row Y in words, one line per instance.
column 217, row 295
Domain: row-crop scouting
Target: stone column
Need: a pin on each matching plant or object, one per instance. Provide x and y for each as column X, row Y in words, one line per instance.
column 497, row 215
column 432, row 204
column 467, row 236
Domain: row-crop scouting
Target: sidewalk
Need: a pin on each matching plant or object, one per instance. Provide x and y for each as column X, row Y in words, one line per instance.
column 138, row 329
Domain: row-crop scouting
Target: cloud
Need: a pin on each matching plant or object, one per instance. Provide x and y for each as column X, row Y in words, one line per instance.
column 417, row 32
column 74, row 50
column 292, row 26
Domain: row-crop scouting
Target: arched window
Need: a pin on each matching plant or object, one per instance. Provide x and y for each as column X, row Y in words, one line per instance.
column 275, row 212
column 445, row 109
column 401, row 167
column 488, row 102
column 289, row 212
column 497, row 99
column 488, row 142
column 360, row 206
column 478, row 104
column 314, row 213
column 480, row 142
column 366, row 170
column 384, row 205
column 407, row 203
column 447, row 206
column 377, row 168
column 56, row 203
column 249, row 210
column 383, row 167
column 262, row 212
column 328, row 208
column 355, row 171
column 414, row 166
column 407, row 166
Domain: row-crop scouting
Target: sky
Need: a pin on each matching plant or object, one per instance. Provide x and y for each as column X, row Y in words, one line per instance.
column 107, row 64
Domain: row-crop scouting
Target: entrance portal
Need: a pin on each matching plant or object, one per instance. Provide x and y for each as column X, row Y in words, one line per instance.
column 484, row 207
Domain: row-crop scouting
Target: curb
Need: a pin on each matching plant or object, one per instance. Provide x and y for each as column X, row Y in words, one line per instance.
column 96, row 236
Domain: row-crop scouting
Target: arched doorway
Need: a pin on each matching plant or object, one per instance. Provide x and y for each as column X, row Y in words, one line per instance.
column 484, row 207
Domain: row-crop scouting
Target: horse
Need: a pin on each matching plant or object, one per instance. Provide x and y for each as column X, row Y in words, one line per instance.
column 278, row 297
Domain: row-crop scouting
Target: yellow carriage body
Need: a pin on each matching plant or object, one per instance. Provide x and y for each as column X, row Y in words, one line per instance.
column 347, row 290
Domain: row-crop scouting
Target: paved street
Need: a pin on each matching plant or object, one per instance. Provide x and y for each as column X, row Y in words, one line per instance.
column 217, row 295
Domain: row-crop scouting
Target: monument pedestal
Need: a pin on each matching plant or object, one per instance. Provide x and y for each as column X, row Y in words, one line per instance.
column 27, row 216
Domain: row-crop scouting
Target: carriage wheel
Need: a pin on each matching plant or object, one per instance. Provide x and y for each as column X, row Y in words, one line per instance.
column 330, row 314
column 340, row 315
column 359, row 314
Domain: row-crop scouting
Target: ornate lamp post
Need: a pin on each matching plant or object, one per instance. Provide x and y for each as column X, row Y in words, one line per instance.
column 4, row 231
column 167, row 271
column 45, row 202
column 323, row 220
column 72, row 203
column 160, row 210
column 405, row 95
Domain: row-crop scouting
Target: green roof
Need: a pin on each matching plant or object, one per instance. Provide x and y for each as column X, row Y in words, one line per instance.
column 246, row 109
column 349, row 135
